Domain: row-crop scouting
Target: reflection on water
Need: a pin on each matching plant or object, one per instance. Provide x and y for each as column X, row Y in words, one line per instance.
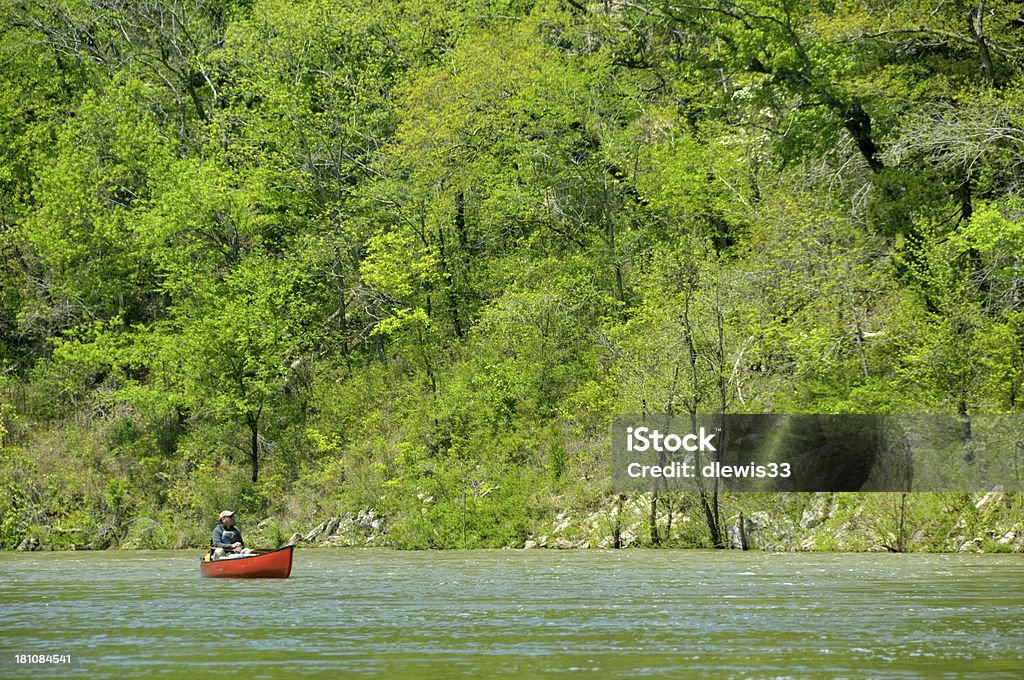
column 421, row 615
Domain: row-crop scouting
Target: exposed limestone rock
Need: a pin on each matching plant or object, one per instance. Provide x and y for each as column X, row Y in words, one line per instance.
column 332, row 525
column 1009, row 538
column 970, row 545
column 317, row 530
column 990, row 500
column 29, row 544
column 817, row 511
column 368, row 521
column 735, row 532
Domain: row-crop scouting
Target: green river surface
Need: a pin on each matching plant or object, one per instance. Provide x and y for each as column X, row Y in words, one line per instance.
column 511, row 613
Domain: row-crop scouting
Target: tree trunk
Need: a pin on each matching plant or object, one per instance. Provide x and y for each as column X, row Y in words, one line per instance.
column 653, row 520
column 708, row 499
column 967, row 433
column 253, row 420
column 977, row 31
column 449, row 284
column 617, row 531
column 858, row 123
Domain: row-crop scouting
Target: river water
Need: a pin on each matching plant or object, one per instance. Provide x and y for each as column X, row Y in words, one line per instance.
column 505, row 613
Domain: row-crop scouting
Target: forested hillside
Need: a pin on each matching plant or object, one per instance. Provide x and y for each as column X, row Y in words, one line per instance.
column 405, row 260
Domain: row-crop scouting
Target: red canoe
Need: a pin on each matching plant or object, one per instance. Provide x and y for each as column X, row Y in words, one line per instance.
column 273, row 564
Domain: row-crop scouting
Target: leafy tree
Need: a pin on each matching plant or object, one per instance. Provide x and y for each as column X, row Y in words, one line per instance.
column 235, row 347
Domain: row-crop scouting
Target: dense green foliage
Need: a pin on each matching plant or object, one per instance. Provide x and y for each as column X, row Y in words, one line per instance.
column 303, row 257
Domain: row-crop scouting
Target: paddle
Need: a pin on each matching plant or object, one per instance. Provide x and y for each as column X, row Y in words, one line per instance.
column 253, row 551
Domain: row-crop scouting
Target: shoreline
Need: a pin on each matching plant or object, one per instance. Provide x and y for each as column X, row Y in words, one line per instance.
column 881, row 551
column 838, row 523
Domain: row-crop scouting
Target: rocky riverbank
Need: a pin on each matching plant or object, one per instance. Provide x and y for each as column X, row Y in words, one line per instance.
column 792, row 522
column 990, row 522
column 365, row 529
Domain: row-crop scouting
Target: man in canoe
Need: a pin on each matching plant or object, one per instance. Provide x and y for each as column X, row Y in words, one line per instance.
column 227, row 538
